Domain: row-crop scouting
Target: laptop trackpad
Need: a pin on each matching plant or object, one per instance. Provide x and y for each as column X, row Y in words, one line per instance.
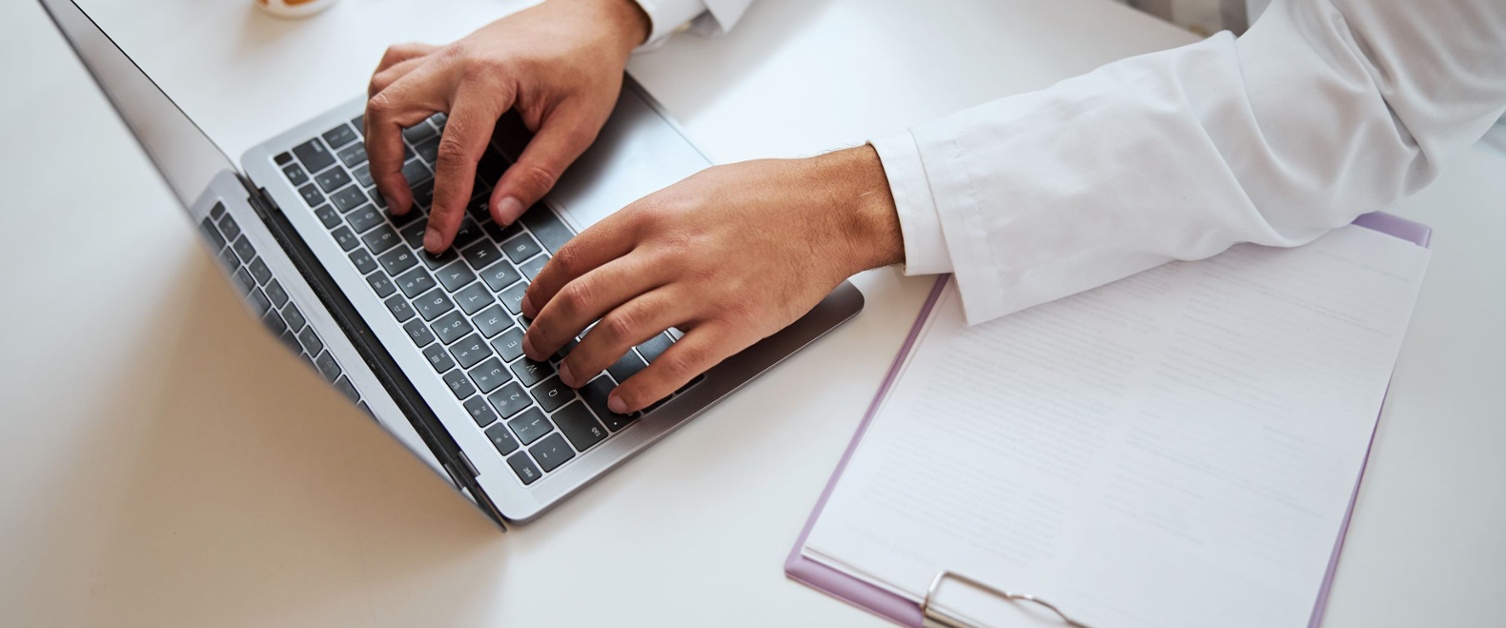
column 637, row 153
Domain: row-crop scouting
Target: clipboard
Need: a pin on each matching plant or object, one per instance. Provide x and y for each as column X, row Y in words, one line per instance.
column 926, row 614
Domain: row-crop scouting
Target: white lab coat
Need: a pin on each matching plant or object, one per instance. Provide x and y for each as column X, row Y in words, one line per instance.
column 1322, row 111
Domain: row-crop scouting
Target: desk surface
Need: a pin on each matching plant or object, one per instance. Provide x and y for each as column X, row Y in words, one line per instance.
column 164, row 463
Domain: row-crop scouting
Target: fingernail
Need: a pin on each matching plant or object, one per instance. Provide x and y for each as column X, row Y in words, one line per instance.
column 528, row 309
column 615, row 403
column 528, row 348
column 567, row 376
column 508, row 210
column 432, row 240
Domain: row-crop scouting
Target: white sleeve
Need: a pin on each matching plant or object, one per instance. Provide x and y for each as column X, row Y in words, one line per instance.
column 706, row 16
column 1324, row 110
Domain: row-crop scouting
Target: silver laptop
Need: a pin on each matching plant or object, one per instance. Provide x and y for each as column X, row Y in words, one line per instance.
column 430, row 347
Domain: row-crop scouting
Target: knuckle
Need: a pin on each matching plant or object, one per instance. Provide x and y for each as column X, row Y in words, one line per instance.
column 568, row 259
column 683, row 364
column 618, row 327
column 575, row 298
column 451, row 151
column 537, row 178
column 379, row 105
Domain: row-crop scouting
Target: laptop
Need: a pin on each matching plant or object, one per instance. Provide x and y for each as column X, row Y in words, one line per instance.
column 430, row 347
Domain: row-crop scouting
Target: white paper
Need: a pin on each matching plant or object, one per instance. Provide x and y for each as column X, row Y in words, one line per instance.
column 1174, row 449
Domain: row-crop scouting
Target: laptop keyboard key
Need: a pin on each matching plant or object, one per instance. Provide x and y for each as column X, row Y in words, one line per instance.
column 473, row 298
column 509, row 400
column 551, row 452
column 314, row 155
column 345, row 238
column 550, row 230
column 259, row 270
column 512, row 298
column 533, row 267
column 654, row 347
column 419, row 333
column 451, row 327
column 492, row 320
column 501, row 439
column 428, row 150
column 432, row 304
column 396, row 261
column 353, row 155
column 275, row 292
column 435, row 262
column 364, row 218
column 332, row 179
column 595, row 394
column 530, row 372
column 415, row 282
column 481, row 254
column 380, row 239
column 399, row 308
column 327, row 366
column 489, row 375
column 419, row 132
column 499, row 275
column 212, row 233
column 520, row 248
column 340, row 135
column 530, row 426
column 296, row 321
column 577, row 424
column 455, row 276
column 552, row 394
column 295, row 174
column 381, row 285
column 311, row 195
column 310, row 340
column 468, row 232
column 274, row 321
column 243, row 249
column 327, row 215
column 362, row 260
column 482, row 413
column 470, row 350
column 459, row 384
column 348, row 198
column 509, row 345
column 439, row 358
column 362, row 175
column 527, row 472
column 626, row 366
column 415, row 172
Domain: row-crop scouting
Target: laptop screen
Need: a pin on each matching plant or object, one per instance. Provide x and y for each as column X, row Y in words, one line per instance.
column 182, row 153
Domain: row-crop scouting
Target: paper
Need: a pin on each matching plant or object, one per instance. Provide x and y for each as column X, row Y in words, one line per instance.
column 1174, row 449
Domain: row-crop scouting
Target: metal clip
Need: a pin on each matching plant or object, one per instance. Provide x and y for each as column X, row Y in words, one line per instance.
column 936, row 618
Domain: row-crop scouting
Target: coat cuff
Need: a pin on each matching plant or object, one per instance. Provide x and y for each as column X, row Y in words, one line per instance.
column 919, row 224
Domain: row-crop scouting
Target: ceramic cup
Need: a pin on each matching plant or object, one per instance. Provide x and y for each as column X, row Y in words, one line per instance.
column 294, row 8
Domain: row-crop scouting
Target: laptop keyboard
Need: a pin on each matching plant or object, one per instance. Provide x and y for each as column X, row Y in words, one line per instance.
column 462, row 309
column 270, row 301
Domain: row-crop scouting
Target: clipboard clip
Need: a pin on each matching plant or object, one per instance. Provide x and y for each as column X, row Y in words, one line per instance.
column 933, row 617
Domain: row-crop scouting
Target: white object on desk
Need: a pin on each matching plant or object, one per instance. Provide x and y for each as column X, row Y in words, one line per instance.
column 294, row 8
column 1177, row 449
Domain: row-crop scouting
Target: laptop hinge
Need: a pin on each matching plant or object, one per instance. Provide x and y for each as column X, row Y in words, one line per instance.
column 386, row 370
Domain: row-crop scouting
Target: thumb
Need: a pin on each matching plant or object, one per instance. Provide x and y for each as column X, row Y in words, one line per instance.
column 559, row 141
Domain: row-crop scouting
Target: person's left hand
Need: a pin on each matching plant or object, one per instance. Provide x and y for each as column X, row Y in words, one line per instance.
column 728, row 256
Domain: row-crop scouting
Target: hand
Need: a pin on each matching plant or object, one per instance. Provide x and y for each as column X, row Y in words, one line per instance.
column 559, row 64
column 729, row 256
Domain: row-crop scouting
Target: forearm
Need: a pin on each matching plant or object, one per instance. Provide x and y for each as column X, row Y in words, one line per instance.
column 1291, row 131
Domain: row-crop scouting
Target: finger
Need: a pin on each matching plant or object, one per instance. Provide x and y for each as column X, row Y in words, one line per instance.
column 704, row 347
column 626, row 326
column 588, row 298
column 405, row 103
column 561, row 138
column 403, row 52
column 385, row 78
column 605, row 241
column 473, row 117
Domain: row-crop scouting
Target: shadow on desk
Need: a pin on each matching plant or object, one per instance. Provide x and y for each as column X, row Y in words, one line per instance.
column 233, row 487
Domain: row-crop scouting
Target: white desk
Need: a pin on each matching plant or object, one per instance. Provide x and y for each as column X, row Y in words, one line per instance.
column 163, row 463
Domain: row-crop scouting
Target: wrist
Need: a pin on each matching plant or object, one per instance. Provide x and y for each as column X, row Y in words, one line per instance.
column 626, row 20
column 867, row 221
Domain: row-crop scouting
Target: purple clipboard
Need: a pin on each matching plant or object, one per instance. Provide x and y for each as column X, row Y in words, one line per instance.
column 906, row 613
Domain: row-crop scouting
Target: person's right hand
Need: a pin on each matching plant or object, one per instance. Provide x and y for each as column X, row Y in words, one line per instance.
column 560, row 64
